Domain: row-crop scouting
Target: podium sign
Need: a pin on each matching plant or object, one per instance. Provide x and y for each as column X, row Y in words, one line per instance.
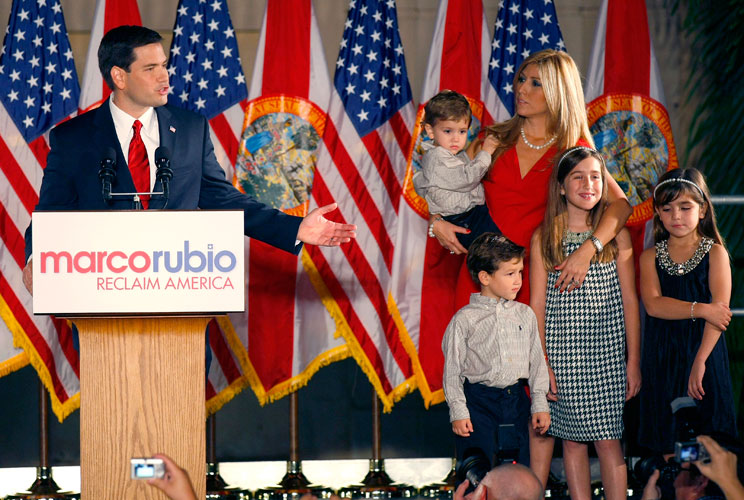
column 138, row 262
column 141, row 374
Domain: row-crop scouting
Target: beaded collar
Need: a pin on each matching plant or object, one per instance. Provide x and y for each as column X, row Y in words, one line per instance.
column 570, row 237
column 675, row 269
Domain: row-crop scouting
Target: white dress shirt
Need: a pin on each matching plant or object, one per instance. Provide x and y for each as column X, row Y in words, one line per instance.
column 494, row 342
column 149, row 132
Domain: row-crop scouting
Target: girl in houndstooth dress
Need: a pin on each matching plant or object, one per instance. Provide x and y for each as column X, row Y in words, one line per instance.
column 585, row 329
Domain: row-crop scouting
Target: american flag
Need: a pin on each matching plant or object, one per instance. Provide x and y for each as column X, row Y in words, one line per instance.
column 522, row 27
column 39, row 89
column 206, row 74
column 37, row 72
column 206, row 77
column 371, row 76
column 361, row 166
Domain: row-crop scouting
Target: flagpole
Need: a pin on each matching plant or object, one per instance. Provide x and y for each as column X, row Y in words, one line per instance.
column 216, row 486
column 377, row 483
column 294, row 479
column 294, row 483
column 294, row 471
column 44, row 486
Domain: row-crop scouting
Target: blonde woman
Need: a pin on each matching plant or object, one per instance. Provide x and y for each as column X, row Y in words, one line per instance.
column 550, row 117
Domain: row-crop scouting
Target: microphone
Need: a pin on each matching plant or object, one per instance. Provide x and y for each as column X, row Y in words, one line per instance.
column 164, row 172
column 107, row 173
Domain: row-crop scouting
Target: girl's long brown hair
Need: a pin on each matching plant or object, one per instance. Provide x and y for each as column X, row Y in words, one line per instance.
column 670, row 191
column 555, row 223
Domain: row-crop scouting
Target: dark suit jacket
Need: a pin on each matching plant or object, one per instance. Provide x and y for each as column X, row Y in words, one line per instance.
column 77, row 146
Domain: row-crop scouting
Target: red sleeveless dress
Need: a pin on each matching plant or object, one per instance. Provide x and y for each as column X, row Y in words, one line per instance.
column 517, row 206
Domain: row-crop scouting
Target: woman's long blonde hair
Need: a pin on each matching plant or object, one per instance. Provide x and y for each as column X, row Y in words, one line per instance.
column 561, row 84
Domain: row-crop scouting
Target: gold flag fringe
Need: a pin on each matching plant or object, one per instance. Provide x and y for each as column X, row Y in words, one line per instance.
column 343, row 329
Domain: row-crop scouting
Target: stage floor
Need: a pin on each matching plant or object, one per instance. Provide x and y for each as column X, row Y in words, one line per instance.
column 254, row 475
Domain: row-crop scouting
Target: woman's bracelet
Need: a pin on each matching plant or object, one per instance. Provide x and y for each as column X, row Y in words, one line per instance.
column 692, row 311
column 431, row 225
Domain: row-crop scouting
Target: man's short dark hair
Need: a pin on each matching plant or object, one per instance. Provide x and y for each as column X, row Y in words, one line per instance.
column 488, row 251
column 447, row 105
column 117, row 48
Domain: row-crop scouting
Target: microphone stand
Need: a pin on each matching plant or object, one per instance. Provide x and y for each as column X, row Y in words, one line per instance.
column 136, row 200
column 163, row 174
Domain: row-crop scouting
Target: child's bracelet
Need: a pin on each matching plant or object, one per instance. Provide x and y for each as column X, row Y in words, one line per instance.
column 692, row 311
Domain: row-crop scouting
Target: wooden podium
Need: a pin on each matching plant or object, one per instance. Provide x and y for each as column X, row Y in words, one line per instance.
column 142, row 349
column 141, row 392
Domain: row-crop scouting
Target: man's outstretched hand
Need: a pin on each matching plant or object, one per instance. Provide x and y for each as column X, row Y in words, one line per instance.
column 315, row 229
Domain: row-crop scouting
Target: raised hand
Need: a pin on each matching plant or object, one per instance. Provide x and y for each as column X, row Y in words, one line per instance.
column 315, row 229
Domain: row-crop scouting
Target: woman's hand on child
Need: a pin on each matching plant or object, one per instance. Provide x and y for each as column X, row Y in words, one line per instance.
column 633, row 384
column 541, row 421
column 695, row 382
column 553, row 387
column 574, row 268
column 717, row 314
column 462, row 427
column 446, row 234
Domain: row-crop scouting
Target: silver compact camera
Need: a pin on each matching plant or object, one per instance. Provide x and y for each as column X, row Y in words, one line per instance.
column 690, row 451
column 147, row 468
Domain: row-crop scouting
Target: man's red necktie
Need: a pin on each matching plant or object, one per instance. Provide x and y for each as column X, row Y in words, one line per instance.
column 139, row 165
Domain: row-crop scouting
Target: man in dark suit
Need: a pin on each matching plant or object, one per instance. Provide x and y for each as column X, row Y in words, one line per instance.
column 135, row 121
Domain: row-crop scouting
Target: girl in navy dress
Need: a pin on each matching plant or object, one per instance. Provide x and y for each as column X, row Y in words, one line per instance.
column 685, row 287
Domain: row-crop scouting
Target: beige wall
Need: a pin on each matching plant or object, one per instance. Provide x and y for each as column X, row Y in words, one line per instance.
column 416, row 17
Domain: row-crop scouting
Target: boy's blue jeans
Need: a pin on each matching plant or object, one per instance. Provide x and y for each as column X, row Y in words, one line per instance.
column 490, row 407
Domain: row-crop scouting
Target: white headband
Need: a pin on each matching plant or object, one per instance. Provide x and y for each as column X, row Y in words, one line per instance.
column 579, row 148
column 678, row 179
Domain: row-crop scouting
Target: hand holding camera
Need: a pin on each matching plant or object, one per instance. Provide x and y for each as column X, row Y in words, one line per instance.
column 147, row 468
column 690, row 451
column 721, row 468
column 167, row 477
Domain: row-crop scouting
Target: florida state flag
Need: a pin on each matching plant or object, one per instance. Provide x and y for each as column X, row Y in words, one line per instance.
column 287, row 333
column 627, row 117
column 424, row 274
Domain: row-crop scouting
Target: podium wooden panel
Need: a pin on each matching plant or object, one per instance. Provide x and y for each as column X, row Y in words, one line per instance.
column 142, row 392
